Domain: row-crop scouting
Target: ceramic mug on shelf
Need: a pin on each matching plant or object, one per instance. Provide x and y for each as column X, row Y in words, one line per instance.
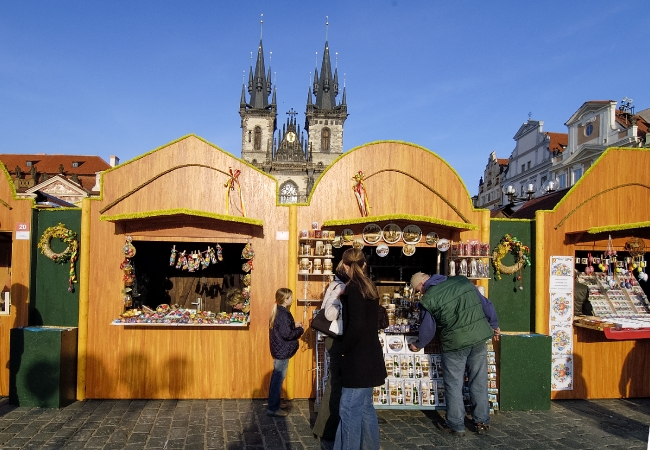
column 327, row 266
column 318, row 266
column 304, row 234
column 327, row 249
column 306, row 250
column 319, row 249
column 305, row 265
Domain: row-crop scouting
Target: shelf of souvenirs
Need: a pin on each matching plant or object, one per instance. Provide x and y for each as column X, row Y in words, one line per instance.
column 618, row 327
column 170, row 316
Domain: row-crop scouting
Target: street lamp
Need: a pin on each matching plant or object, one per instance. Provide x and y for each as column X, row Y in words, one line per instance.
column 510, row 191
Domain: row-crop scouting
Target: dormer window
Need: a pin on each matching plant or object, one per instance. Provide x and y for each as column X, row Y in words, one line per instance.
column 76, row 163
column 29, row 163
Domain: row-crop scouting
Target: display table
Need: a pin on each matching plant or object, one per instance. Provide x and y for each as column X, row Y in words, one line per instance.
column 43, row 367
column 525, row 382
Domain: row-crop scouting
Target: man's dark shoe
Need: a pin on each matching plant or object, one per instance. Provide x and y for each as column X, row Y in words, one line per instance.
column 444, row 427
column 284, row 404
column 278, row 413
column 481, row 428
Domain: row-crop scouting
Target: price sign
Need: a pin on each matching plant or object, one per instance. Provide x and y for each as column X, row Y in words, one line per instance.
column 22, row 230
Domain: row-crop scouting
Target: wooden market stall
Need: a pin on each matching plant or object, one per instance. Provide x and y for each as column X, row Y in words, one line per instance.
column 405, row 185
column 191, row 195
column 15, row 241
column 611, row 199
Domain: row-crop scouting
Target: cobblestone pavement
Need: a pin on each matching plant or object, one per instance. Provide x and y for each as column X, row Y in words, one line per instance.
column 243, row 424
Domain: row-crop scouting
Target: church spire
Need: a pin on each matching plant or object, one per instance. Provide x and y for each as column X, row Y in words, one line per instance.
column 259, row 83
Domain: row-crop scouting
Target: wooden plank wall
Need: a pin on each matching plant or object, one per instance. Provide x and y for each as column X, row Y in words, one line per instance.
column 614, row 191
column 182, row 362
column 21, row 211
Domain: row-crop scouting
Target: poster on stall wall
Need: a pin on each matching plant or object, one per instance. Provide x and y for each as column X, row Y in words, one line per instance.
column 561, row 322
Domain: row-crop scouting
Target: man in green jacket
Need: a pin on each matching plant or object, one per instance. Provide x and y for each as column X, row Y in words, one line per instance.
column 467, row 320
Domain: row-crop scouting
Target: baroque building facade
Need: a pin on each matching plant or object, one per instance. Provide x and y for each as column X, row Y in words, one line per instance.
column 295, row 157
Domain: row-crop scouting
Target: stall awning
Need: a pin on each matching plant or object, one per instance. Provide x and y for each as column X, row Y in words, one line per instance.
column 403, row 217
column 142, row 215
column 639, row 229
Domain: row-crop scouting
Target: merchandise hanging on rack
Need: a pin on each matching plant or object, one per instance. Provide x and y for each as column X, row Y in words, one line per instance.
column 195, row 259
column 70, row 254
column 129, row 272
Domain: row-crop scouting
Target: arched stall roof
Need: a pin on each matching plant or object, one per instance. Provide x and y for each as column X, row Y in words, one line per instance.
column 611, row 199
column 178, row 193
column 13, row 211
column 403, row 182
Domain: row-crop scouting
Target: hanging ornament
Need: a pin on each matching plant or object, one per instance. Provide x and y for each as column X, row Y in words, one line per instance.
column 589, row 270
column 247, row 266
column 359, row 189
column 247, row 252
column 219, row 253
column 172, row 257
column 212, row 255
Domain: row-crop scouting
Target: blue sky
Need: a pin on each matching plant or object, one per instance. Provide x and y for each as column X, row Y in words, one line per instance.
column 457, row 77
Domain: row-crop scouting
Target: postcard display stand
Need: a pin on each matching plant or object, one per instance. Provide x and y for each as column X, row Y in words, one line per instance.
column 414, row 379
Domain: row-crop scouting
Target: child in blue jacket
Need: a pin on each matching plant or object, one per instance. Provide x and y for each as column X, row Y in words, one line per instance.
column 283, row 340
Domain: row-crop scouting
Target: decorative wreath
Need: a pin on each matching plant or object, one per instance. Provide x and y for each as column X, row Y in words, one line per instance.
column 68, row 255
column 510, row 244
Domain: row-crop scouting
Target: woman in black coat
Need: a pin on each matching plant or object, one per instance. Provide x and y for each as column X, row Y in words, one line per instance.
column 362, row 363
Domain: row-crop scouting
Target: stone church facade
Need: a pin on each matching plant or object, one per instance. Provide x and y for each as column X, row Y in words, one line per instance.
column 295, row 157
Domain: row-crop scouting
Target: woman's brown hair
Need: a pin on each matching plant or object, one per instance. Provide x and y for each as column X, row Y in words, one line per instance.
column 356, row 261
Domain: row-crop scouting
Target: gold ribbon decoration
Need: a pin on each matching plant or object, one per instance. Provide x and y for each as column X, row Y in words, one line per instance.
column 230, row 186
column 359, row 189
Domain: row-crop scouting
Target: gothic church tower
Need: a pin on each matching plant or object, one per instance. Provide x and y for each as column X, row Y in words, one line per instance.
column 296, row 158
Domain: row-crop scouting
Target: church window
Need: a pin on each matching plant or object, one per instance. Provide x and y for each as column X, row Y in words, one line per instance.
column 325, row 140
column 257, row 144
column 289, row 192
column 250, row 133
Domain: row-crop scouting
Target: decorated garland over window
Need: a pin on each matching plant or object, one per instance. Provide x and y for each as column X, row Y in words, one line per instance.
column 70, row 254
column 510, row 244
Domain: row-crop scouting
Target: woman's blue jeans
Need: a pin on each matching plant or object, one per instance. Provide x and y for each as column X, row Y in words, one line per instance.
column 453, row 369
column 275, row 389
column 358, row 428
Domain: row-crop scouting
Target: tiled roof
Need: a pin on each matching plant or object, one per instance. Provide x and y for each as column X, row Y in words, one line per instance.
column 624, row 119
column 559, row 141
column 87, row 166
column 545, row 202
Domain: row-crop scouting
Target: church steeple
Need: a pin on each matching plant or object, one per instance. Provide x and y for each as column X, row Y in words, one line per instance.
column 259, row 84
column 326, row 87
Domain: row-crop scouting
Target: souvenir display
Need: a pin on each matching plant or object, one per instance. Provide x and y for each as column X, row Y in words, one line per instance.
column 412, row 234
column 432, row 238
column 408, row 249
column 392, row 233
column 128, row 277
column 247, row 252
column 194, row 259
column 371, row 233
column 347, row 235
column 382, row 250
column 442, row 244
column 70, row 254
column 358, row 243
column 175, row 315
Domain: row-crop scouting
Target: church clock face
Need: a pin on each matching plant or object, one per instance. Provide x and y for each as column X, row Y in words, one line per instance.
column 291, row 136
column 289, row 193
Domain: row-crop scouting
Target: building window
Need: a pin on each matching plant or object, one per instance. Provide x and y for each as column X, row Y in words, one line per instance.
column 577, row 173
column 325, row 140
column 562, row 180
column 542, row 181
column 29, row 164
column 257, row 143
column 523, row 167
column 589, row 129
column 528, row 165
column 75, row 164
column 289, row 192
